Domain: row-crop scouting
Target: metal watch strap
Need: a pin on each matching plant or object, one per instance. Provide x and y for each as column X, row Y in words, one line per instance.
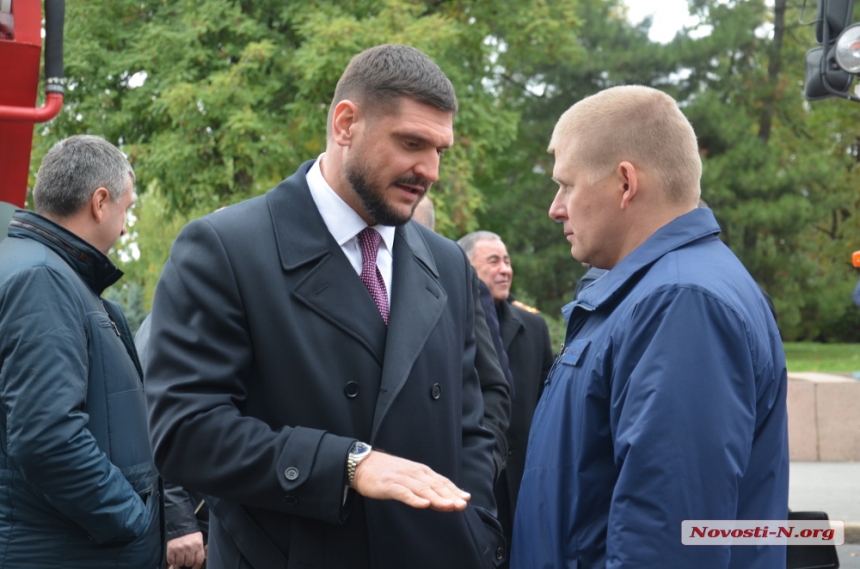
column 358, row 452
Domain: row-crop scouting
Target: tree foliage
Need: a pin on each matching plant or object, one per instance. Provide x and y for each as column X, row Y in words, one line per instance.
column 518, row 184
column 236, row 93
column 218, row 100
column 779, row 171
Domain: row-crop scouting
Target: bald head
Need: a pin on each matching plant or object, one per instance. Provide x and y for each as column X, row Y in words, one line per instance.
column 425, row 213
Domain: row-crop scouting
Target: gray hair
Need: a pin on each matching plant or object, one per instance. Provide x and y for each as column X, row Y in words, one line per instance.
column 74, row 169
column 377, row 77
column 467, row 242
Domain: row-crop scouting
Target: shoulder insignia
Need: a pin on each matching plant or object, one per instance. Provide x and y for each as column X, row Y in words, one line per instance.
column 525, row 307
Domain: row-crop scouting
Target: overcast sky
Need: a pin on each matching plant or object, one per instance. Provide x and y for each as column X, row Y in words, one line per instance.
column 669, row 16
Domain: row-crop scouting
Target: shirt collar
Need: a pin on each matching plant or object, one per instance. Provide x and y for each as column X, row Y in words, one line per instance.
column 342, row 221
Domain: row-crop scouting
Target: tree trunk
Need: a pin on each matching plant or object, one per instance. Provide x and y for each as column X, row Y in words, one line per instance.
column 773, row 70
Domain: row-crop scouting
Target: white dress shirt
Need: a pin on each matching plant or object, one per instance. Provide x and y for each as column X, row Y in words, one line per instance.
column 345, row 224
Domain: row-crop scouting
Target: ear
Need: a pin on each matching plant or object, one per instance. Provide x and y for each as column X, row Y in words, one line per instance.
column 99, row 203
column 343, row 123
column 629, row 183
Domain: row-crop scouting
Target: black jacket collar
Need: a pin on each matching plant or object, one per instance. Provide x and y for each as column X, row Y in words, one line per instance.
column 93, row 266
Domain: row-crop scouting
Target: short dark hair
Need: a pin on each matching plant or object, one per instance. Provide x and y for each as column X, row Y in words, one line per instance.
column 379, row 76
column 73, row 169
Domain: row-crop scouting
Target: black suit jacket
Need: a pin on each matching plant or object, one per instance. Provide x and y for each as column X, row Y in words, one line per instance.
column 268, row 358
column 527, row 342
column 493, row 373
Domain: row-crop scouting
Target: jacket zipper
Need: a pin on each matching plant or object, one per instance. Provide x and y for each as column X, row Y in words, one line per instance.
column 112, row 323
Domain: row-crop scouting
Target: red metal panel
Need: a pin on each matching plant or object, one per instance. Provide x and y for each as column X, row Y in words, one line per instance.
column 19, row 73
column 19, row 81
column 28, row 21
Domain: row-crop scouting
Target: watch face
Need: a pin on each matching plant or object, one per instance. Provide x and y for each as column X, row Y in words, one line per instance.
column 359, row 448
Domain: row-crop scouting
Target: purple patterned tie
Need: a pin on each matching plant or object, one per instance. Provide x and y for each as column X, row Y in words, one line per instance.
column 369, row 240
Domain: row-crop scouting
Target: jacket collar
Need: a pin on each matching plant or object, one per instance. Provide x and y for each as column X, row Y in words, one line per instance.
column 93, row 266
column 509, row 322
column 696, row 225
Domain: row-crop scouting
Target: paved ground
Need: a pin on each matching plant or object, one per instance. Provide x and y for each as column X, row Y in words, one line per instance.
column 832, row 487
column 849, row 556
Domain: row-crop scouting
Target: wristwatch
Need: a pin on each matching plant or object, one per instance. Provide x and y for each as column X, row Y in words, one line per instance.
column 357, row 452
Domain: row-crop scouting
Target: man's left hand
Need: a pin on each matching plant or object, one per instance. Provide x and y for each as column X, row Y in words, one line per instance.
column 186, row 551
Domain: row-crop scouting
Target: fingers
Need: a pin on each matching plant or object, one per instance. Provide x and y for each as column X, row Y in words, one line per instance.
column 440, row 493
column 385, row 477
column 199, row 558
column 186, row 551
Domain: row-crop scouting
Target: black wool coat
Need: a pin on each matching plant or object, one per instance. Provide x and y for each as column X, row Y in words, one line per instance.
column 268, row 358
column 525, row 336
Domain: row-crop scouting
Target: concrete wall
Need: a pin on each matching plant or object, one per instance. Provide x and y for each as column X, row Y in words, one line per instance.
column 823, row 417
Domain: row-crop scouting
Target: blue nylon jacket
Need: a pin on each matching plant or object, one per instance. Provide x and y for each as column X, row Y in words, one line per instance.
column 78, row 485
column 666, row 404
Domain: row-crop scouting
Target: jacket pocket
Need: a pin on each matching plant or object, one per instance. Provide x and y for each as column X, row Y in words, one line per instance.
column 489, row 543
column 145, row 550
column 573, row 353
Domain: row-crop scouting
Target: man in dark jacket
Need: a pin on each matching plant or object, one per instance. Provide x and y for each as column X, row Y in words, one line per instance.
column 79, row 486
column 525, row 341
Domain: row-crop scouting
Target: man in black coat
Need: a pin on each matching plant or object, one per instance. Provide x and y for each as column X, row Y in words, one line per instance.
column 525, row 338
column 317, row 381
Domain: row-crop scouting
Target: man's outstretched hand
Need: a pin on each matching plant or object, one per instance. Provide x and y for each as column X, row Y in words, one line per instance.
column 385, row 477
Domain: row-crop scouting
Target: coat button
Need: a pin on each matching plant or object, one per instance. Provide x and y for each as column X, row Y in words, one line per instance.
column 291, row 473
column 351, row 390
column 291, row 500
column 500, row 553
column 436, row 391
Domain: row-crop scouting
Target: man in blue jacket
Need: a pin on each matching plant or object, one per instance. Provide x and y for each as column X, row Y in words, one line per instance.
column 79, row 488
column 667, row 402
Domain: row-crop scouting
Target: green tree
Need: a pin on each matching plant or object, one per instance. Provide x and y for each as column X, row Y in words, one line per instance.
column 236, row 92
column 518, row 184
column 778, row 171
column 218, row 100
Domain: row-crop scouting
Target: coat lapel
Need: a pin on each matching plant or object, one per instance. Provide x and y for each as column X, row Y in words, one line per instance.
column 417, row 303
column 330, row 286
column 509, row 324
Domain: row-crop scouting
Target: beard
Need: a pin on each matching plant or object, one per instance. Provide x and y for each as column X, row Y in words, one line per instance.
column 372, row 193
